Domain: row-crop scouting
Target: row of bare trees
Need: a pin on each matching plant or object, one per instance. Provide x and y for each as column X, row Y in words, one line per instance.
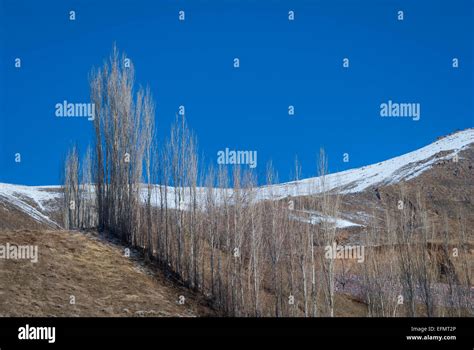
column 124, row 125
column 417, row 265
column 250, row 256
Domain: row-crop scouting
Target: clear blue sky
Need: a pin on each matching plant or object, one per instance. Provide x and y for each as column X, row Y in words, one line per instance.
column 282, row 63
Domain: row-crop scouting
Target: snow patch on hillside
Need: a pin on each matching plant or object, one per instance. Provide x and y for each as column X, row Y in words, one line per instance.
column 316, row 218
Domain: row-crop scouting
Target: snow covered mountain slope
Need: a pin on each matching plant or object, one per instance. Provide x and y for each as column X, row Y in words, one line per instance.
column 40, row 203
column 35, row 201
column 391, row 171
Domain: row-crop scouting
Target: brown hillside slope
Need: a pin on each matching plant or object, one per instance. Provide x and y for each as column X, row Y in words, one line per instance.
column 103, row 281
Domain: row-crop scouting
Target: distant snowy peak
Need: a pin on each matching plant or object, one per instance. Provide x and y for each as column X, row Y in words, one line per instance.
column 394, row 170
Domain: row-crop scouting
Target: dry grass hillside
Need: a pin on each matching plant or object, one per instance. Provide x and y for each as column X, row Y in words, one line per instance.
column 103, row 281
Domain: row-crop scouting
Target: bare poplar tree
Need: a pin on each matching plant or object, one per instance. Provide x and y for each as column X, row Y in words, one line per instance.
column 72, row 200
